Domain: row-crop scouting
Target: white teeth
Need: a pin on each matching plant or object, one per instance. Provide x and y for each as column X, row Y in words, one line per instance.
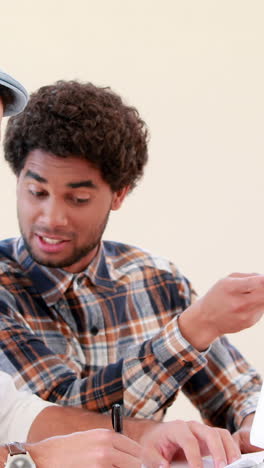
column 51, row 241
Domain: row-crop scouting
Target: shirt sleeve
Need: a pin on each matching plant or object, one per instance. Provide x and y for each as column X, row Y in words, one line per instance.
column 219, row 382
column 227, row 389
column 155, row 371
column 143, row 380
column 18, row 409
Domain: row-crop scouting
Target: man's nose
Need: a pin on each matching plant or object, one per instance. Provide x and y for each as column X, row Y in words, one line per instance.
column 53, row 214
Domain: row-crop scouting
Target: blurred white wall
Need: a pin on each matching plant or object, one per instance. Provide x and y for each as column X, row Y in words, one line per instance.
column 194, row 69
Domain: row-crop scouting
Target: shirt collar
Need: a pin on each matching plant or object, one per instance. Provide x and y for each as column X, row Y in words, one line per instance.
column 52, row 283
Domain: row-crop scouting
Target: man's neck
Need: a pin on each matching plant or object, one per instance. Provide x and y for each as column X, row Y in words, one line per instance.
column 83, row 263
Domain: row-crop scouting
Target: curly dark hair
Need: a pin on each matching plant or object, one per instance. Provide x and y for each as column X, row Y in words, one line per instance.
column 71, row 118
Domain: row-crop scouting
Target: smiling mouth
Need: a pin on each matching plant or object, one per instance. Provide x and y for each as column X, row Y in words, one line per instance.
column 51, row 241
column 51, row 245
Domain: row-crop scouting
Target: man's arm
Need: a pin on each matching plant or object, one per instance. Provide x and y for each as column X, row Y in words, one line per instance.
column 148, row 377
column 161, row 442
column 33, row 363
column 64, row 420
column 226, row 390
column 100, row 448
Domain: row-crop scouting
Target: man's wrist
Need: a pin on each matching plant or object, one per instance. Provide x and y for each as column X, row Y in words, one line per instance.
column 192, row 315
column 135, row 428
column 34, row 450
column 30, row 448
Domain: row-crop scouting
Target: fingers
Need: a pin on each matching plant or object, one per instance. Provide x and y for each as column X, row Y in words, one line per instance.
column 118, row 451
column 231, row 447
column 109, row 457
column 191, row 449
column 220, row 444
column 125, row 445
column 167, row 440
column 121, row 460
column 242, row 275
column 194, row 439
column 210, row 438
column 152, row 458
column 115, row 450
column 245, row 300
column 246, row 283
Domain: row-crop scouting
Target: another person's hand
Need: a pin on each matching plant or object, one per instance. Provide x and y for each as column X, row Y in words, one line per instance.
column 232, row 304
column 98, row 447
column 242, row 436
column 188, row 440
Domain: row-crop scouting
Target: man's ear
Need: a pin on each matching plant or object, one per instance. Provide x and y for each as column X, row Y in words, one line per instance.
column 119, row 197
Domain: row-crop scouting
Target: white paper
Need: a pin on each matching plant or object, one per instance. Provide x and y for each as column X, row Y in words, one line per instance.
column 246, row 461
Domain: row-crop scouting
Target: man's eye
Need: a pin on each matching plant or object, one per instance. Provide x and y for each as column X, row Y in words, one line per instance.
column 37, row 193
column 80, row 201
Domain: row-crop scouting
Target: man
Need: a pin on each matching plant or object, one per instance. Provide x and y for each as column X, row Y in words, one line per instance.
column 22, row 413
column 89, row 323
column 19, row 409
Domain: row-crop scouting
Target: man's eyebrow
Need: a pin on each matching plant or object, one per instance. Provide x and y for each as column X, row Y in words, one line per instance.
column 82, row 183
column 79, row 184
column 36, row 176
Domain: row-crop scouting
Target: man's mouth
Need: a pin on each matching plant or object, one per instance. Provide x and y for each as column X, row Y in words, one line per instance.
column 51, row 245
column 50, row 240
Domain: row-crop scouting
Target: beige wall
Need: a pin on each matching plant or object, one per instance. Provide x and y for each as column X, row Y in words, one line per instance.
column 194, row 69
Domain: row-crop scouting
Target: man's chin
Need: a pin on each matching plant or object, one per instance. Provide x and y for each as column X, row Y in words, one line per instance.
column 49, row 262
column 52, row 262
column 75, row 260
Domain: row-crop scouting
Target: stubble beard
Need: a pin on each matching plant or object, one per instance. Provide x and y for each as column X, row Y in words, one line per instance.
column 76, row 256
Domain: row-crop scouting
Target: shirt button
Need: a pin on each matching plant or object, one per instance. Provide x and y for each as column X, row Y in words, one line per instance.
column 80, row 280
column 94, row 330
column 188, row 364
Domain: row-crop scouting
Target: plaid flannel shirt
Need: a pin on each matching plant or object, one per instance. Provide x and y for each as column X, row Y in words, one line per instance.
column 110, row 334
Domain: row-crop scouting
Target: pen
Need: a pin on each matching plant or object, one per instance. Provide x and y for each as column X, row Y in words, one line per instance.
column 117, row 418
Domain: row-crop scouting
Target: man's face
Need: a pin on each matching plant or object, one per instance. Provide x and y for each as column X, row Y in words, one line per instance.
column 1, row 114
column 63, row 206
